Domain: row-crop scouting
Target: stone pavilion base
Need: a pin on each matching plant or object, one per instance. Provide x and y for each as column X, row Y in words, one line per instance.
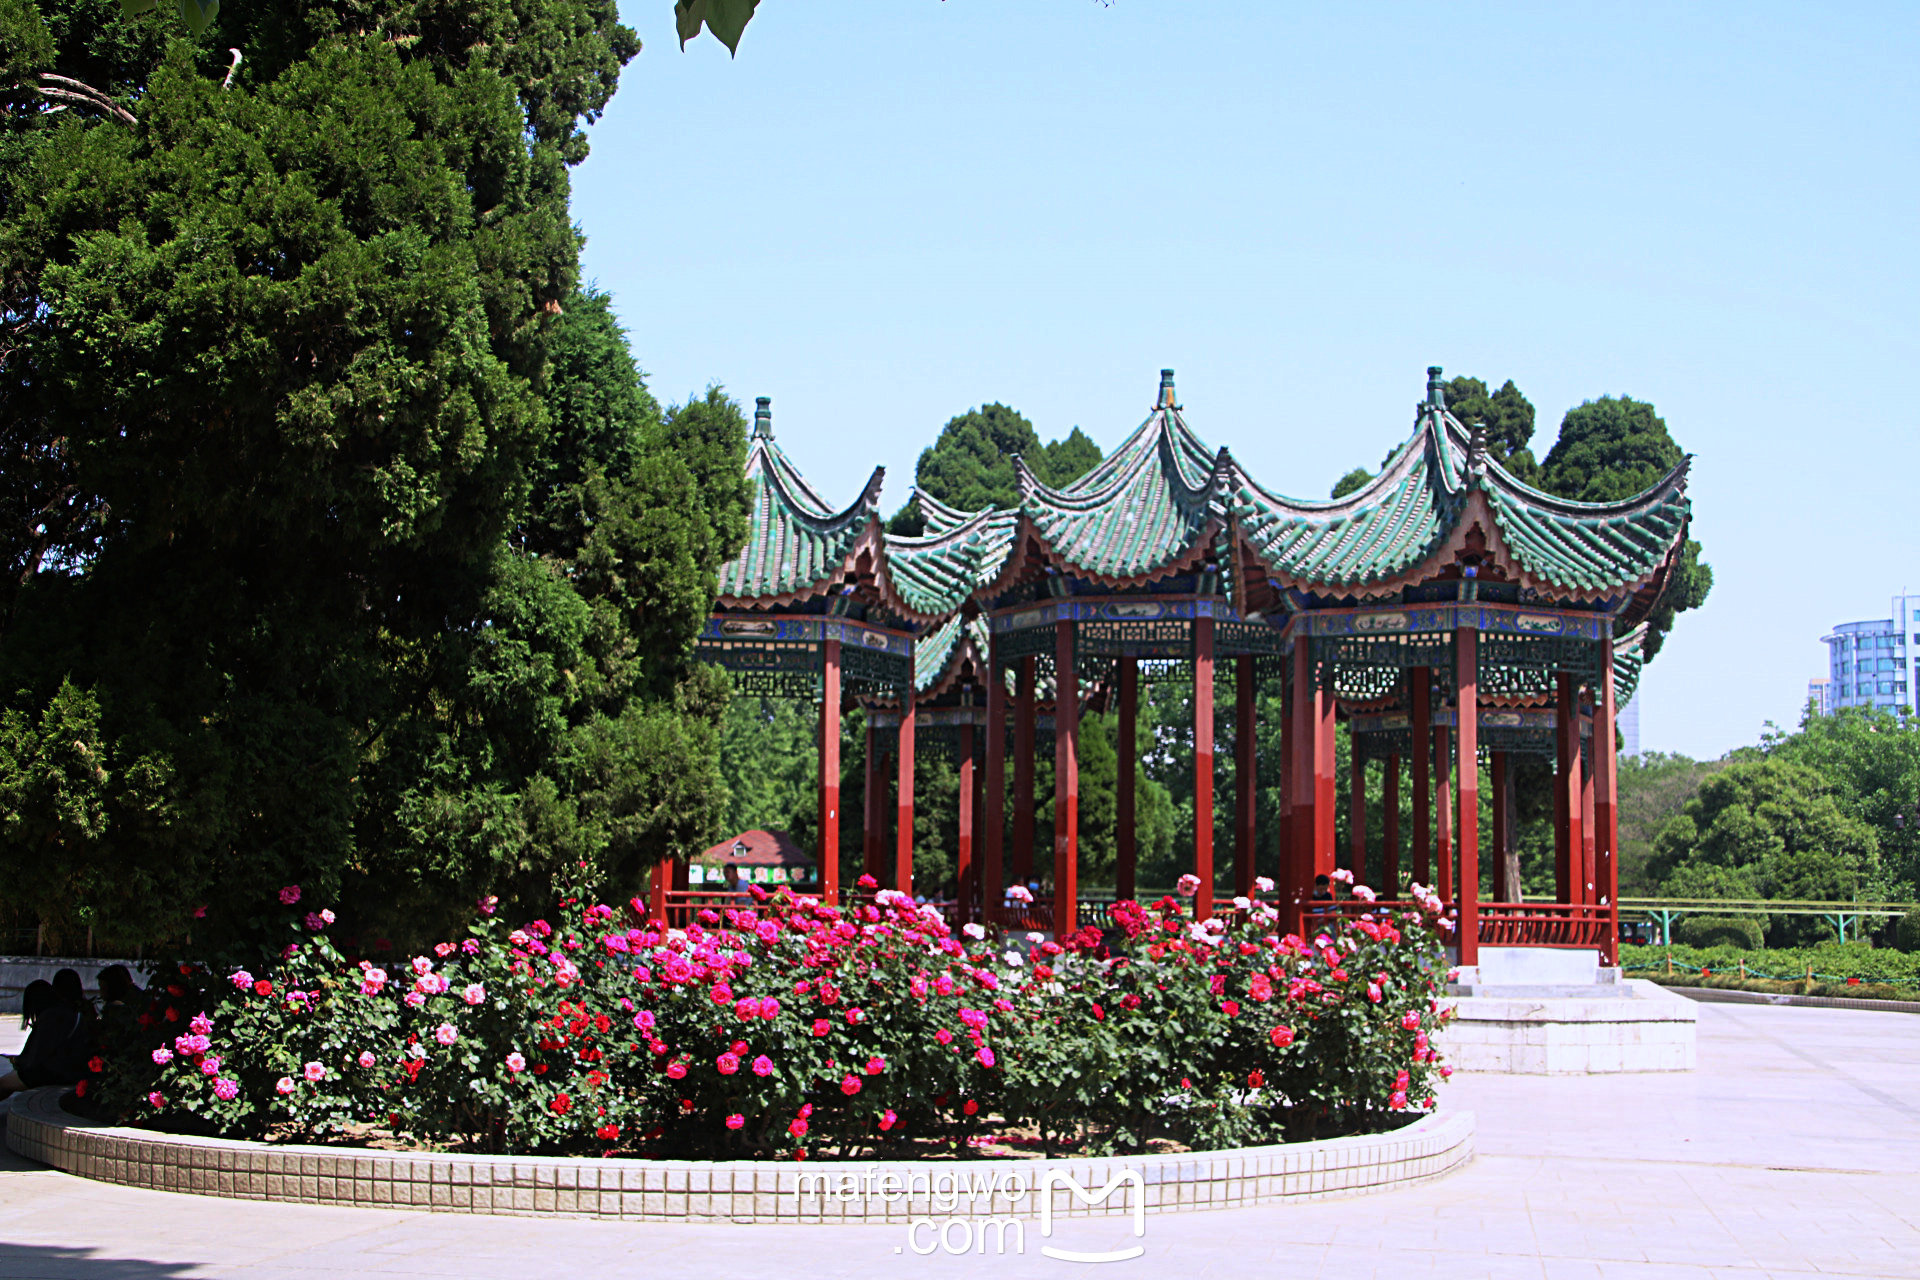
column 1542, row 1011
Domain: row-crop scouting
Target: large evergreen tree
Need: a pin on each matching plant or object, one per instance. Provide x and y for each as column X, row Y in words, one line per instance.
column 342, row 544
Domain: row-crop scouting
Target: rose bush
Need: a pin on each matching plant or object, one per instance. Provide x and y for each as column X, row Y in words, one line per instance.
column 794, row 1026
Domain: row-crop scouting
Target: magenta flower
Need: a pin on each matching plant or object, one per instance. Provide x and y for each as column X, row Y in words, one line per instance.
column 516, row 1062
column 225, row 1090
column 763, row 1065
column 210, row 1065
column 850, row 1085
column 162, row 1056
column 644, row 1020
column 365, row 1059
column 944, row 1036
column 676, row 1070
column 888, row 1120
column 155, row 1100
column 735, row 1121
column 985, row 1055
column 415, row 999
column 201, row 1025
column 290, row 895
column 821, row 1026
column 241, row 979
column 728, row 1063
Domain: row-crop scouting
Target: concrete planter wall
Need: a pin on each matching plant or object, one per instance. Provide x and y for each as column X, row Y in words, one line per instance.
column 730, row 1191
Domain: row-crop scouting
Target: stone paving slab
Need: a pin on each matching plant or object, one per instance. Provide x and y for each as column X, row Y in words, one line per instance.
column 1794, row 1151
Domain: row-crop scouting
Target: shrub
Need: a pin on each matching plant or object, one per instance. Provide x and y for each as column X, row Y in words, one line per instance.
column 794, row 1026
column 1719, row 931
column 1906, row 933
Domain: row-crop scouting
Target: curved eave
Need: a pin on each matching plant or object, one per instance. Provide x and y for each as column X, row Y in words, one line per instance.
column 791, row 521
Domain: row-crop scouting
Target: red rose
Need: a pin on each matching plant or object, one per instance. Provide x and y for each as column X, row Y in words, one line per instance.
column 607, row 1132
column 1255, row 1080
column 263, row 987
column 561, row 1104
column 96, row 1065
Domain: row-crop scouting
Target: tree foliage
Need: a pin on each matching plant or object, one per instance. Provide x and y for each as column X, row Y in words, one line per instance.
column 341, row 536
column 970, row 465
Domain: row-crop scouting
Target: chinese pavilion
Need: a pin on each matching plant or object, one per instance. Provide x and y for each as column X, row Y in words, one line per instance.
column 1448, row 612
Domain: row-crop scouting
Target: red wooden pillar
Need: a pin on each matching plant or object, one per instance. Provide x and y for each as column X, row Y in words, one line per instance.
column 1443, row 813
column 657, row 880
column 1203, row 765
column 1288, row 880
column 1066, row 783
column 903, row 837
column 994, row 796
column 1326, row 784
column 1246, row 783
column 1126, row 846
column 1589, row 856
column 1467, row 681
column 830, row 774
column 1605, row 804
column 1421, row 684
column 1303, row 738
column 963, row 860
column 1567, row 839
column 1390, row 830
column 870, row 843
column 1024, row 715
column 1357, row 814
column 1497, row 766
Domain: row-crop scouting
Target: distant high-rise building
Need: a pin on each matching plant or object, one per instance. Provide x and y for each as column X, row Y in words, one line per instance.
column 1870, row 664
column 1820, row 694
column 1630, row 726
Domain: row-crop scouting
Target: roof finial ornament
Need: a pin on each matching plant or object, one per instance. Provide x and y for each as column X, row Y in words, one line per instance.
column 1477, row 449
column 1436, row 390
column 763, row 418
column 1166, row 390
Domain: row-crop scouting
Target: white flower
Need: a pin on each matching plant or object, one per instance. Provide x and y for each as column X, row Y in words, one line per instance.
column 1363, row 893
column 1036, row 937
column 1013, row 958
column 1242, row 904
column 1341, row 874
column 1019, row 893
column 974, row 930
column 1263, row 884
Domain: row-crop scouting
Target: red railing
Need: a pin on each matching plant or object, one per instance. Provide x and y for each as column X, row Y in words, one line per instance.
column 1545, row 924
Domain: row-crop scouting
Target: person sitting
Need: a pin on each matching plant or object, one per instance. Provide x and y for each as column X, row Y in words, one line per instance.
column 1322, row 889
column 119, row 998
column 730, row 879
column 54, row 1023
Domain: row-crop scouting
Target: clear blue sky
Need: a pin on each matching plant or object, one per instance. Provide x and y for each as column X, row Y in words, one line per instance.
column 887, row 211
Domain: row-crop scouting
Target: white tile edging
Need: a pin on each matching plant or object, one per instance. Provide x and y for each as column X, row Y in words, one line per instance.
column 730, row 1191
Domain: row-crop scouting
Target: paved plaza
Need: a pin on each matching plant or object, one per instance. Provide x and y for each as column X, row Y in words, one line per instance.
column 1794, row 1150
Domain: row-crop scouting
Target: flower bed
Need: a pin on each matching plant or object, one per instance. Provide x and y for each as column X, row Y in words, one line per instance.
column 794, row 1029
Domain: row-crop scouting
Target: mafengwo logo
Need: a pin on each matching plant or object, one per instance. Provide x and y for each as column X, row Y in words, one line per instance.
column 960, row 1214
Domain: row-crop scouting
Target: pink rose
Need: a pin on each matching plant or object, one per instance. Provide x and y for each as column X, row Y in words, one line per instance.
column 474, row 994
column 676, row 1070
column 1412, row 1021
column 365, row 1059
column 445, row 1033
column 850, row 1085
column 888, row 1120
column 516, row 1062
column 201, row 1025
column 210, row 1065
column 735, row 1121
column 290, row 895
column 728, row 1063
column 162, row 1056
column 241, row 979
column 225, row 1090
column 875, row 1065
column 314, row 1072
column 763, row 1065
column 415, row 999
column 155, row 1100
column 985, row 1055
column 284, row 1085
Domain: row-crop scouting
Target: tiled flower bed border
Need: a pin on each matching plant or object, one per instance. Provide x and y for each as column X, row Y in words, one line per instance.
column 728, row 1191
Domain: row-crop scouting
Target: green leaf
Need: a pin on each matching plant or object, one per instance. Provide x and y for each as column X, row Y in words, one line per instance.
column 199, row 14
column 725, row 18
column 134, row 8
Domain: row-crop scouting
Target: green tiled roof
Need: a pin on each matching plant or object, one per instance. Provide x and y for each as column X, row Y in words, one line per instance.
column 1409, row 512
column 1143, row 509
column 1629, row 656
column 796, row 544
column 935, row 653
column 961, row 552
